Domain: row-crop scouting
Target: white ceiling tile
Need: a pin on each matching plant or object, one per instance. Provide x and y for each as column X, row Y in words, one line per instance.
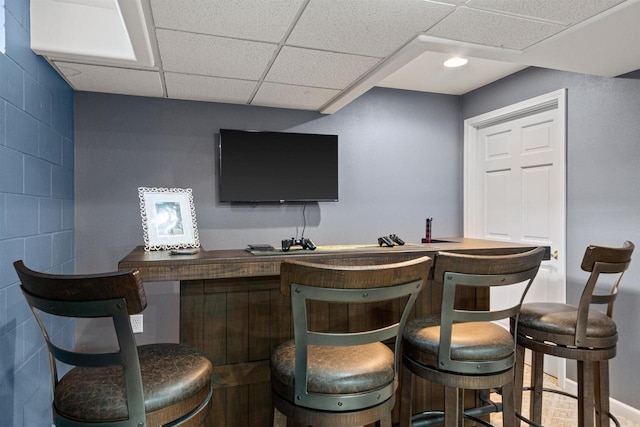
column 204, row 88
column 95, row 78
column 235, row 43
column 288, row 96
column 245, row 19
column 364, row 27
column 213, row 56
column 316, row 68
column 566, row 11
column 492, row 29
column 436, row 78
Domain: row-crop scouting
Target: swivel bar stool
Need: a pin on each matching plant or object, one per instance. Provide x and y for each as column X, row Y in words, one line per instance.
column 344, row 377
column 580, row 333
column 149, row 385
column 462, row 348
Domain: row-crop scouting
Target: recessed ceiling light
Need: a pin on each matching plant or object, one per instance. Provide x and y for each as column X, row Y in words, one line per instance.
column 455, row 62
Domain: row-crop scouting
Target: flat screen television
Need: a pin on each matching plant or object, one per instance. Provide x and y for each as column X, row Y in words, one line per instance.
column 277, row 167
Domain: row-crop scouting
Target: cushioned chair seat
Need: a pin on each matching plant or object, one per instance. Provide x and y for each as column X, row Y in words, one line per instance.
column 478, row 341
column 561, row 319
column 171, row 373
column 336, row 370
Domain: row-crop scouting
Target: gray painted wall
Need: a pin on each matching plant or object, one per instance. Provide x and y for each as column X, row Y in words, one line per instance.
column 603, row 201
column 400, row 162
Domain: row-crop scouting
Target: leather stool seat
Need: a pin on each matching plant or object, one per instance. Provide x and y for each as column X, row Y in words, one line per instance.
column 171, row 373
column 334, row 370
column 477, row 341
column 542, row 319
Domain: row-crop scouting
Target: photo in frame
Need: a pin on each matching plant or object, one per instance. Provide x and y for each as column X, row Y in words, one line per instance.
column 168, row 218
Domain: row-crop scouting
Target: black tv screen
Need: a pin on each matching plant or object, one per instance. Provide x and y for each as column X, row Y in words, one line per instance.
column 277, row 166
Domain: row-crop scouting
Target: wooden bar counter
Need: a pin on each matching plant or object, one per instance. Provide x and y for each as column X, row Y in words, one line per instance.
column 232, row 310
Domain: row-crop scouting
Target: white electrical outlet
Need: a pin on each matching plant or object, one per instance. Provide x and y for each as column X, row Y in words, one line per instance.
column 136, row 323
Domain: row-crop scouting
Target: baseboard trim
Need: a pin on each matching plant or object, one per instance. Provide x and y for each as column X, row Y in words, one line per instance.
column 618, row 408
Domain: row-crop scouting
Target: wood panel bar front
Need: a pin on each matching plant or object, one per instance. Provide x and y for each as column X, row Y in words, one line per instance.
column 232, row 310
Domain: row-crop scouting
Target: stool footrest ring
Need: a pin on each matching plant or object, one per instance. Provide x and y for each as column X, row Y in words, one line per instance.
column 563, row 393
column 429, row 418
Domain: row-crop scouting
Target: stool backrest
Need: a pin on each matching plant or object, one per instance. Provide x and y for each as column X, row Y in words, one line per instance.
column 479, row 271
column 114, row 295
column 599, row 261
column 305, row 282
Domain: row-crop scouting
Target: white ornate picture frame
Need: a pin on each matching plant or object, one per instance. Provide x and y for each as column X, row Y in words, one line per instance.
column 168, row 218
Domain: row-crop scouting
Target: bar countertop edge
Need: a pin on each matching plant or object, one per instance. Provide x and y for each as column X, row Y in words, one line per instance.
column 162, row 266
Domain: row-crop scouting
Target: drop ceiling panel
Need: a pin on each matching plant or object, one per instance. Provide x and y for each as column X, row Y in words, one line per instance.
column 204, row 88
column 607, row 47
column 94, row 78
column 213, row 56
column 301, row 53
column 565, row 12
column 364, row 27
column 55, row 32
column 306, row 67
column 492, row 29
column 437, row 78
column 244, row 19
column 287, row 96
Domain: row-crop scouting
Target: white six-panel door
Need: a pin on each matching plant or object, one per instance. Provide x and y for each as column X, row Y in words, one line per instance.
column 515, row 188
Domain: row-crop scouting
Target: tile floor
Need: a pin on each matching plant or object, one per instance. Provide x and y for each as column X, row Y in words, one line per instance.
column 558, row 410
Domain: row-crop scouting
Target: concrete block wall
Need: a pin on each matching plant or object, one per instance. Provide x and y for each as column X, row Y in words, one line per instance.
column 36, row 211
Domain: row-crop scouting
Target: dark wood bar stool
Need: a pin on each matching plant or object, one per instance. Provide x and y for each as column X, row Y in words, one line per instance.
column 343, row 378
column 578, row 333
column 149, row 385
column 462, row 348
